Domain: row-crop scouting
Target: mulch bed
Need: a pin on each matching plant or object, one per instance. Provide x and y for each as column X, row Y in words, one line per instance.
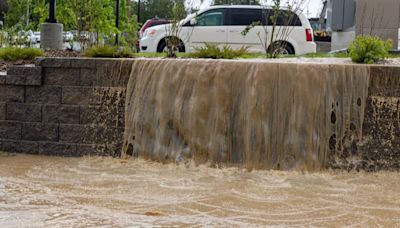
column 62, row 53
column 4, row 65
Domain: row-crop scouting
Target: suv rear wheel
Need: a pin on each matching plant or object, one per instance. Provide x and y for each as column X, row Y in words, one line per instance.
column 282, row 48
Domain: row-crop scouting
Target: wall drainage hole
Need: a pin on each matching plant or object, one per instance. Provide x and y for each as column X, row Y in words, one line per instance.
column 129, row 151
column 333, row 117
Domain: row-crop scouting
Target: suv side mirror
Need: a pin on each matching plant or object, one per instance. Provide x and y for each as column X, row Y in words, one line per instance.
column 193, row 21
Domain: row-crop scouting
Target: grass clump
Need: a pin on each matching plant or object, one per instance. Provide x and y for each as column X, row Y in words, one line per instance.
column 212, row 51
column 102, row 51
column 158, row 54
column 325, row 55
column 368, row 49
column 125, row 53
column 15, row 54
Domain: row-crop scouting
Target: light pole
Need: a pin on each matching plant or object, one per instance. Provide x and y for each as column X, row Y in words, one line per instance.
column 138, row 11
column 51, row 31
column 52, row 12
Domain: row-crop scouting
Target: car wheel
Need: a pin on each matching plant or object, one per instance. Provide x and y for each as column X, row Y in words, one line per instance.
column 162, row 47
column 281, row 49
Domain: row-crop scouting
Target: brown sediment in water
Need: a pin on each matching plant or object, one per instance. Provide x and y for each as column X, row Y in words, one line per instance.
column 39, row 191
column 153, row 213
column 262, row 115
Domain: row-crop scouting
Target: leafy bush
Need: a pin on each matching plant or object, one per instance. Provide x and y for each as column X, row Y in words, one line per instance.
column 212, row 51
column 13, row 53
column 4, row 41
column 14, row 37
column 368, row 49
column 102, row 51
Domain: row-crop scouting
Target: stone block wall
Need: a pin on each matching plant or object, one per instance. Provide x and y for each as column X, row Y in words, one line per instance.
column 75, row 107
column 380, row 148
column 68, row 107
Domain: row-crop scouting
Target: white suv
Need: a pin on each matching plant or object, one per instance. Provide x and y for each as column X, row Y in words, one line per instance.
column 223, row 25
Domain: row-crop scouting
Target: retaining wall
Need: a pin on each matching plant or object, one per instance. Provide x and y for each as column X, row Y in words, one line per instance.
column 67, row 107
column 380, row 148
column 74, row 107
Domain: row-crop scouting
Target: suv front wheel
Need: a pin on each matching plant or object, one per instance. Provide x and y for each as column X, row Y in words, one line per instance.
column 179, row 46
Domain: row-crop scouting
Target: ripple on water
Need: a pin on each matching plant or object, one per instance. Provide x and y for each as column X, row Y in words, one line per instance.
column 46, row 191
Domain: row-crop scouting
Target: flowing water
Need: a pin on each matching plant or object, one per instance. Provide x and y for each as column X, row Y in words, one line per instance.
column 38, row 191
column 262, row 115
column 253, row 115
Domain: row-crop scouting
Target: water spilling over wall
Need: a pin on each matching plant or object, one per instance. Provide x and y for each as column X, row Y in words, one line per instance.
column 262, row 115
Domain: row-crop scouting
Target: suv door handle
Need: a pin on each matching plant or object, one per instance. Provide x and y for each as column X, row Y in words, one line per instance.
column 234, row 30
column 220, row 30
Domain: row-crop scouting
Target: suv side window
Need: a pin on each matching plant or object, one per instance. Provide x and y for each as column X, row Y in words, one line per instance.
column 211, row 18
column 285, row 18
column 245, row 16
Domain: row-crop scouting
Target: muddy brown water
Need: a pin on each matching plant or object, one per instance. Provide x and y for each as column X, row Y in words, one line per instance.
column 261, row 115
column 38, row 191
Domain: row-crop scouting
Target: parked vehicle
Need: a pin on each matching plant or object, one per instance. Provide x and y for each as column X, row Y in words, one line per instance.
column 36, row 37
column 67, row 36
column 25, row 36
column 80, row 35
column 150, row 23
column 223, row 25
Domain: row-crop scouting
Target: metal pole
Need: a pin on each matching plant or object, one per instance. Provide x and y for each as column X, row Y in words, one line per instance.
column 138, row 11
column 52, row 12
column 117, row 22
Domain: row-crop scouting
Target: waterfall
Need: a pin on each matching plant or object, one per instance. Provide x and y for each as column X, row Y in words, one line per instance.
column 261, row 115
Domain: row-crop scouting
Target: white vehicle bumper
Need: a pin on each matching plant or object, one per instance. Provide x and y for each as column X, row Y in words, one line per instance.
column 148, row 44
column 307, row 47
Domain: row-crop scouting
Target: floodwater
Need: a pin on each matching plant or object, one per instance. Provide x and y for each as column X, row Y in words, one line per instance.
column 266, row 116
column 38, row 191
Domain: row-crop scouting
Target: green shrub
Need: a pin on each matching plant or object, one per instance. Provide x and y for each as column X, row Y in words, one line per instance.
column 14, row 54
column 125, row 53
column 368, row 49
column 212, row 51
column 102, row 51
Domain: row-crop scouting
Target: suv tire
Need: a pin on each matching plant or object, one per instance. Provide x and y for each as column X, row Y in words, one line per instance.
column 163, row 45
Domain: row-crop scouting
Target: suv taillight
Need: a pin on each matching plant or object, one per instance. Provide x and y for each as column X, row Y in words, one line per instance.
column 309, row 35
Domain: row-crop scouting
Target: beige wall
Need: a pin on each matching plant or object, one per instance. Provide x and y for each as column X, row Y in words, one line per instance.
column 341, row 40
column 379, row 17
